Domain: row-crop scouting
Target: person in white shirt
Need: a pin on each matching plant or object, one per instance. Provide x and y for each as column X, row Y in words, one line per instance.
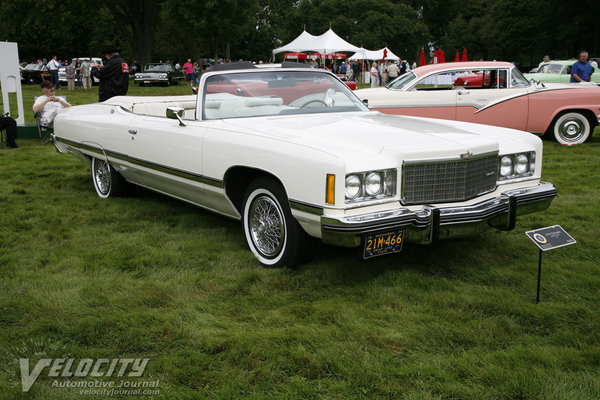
column 545, row 61
column 53, row 67
column 48, row 105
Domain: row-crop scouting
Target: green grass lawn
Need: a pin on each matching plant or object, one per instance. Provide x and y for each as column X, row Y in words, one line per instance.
column 150, row 277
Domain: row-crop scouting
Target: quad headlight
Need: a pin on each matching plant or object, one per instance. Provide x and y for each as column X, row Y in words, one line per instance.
column 370, row 185
column 518, row 165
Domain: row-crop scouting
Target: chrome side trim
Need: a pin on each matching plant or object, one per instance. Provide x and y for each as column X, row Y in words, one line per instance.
column 305, row 207
column 143, row 163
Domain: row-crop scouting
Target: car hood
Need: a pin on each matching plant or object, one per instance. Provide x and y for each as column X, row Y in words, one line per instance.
column 372, row 133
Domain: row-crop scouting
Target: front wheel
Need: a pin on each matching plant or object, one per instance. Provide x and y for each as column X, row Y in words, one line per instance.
column 571, row 129
column 272, row 233
column 107, row 181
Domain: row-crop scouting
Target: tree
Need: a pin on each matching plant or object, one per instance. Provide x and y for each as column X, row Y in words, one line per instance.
column 136, row 20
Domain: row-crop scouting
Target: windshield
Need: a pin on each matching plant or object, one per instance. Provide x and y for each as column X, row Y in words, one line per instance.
column 402, row 81
column 518, row 80
column 554, row 69
column 34, row 67
column 158, row 68
column 265, row 93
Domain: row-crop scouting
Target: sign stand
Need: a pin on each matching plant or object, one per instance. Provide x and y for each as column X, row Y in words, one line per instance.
column 546, row 239
column 537, row 298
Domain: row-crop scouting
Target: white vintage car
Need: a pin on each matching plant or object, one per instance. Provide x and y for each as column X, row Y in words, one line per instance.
column 294, row 154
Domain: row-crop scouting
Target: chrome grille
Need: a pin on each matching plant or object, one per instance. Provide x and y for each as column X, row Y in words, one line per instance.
column 448, row 181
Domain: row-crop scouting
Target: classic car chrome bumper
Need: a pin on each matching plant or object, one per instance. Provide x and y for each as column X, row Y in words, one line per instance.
column 430, row 223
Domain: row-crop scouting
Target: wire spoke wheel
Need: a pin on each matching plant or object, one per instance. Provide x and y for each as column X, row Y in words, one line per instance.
column 107, row 181
column 102, row 177
column 267, row 227
column 273, row 235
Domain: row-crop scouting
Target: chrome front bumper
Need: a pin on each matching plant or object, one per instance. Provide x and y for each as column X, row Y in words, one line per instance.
column 431, row 223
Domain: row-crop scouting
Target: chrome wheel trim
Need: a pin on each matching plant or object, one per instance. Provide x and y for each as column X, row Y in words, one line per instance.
column 102, row 176
column 266, row 225
column 572, row 129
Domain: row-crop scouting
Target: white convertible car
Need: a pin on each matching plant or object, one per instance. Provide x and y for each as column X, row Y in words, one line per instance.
column 294, row 154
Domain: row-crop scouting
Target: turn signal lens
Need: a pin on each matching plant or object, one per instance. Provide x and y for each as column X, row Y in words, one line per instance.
column 330, row 189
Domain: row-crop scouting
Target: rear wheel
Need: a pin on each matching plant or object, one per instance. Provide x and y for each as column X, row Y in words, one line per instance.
column 107, row 181
column 272, row 233
column 571, row 129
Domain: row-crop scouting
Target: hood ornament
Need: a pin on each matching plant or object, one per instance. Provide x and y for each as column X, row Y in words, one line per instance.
column 466, row 155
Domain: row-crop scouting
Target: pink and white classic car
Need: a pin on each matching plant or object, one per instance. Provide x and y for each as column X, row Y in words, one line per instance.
column 492, row 93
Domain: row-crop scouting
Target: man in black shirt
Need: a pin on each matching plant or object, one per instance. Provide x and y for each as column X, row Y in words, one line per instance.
column 113, row 75
column 10, row 125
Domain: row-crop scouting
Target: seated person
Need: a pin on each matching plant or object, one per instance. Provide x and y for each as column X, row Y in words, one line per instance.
column 48, row 105
column 10, row 125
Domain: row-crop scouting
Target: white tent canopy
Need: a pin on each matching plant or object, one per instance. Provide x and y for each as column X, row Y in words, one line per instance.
column 364, row 54
column 328, row 42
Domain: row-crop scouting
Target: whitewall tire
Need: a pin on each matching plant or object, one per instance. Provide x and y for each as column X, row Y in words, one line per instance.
column 274, row 236
column 571, row 129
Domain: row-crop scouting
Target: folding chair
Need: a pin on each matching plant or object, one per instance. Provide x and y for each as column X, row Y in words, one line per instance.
column 44, row 132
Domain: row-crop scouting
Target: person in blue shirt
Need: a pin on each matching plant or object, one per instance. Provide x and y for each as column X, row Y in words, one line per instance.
column 582, row 70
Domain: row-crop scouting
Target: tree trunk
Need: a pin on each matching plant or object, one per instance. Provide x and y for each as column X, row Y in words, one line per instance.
column 135, row 19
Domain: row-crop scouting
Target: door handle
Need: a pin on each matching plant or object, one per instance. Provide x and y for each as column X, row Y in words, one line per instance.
column 463, row 92
column 132, row 131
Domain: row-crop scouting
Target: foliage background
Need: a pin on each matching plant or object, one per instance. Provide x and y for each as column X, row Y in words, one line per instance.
column 509, row 30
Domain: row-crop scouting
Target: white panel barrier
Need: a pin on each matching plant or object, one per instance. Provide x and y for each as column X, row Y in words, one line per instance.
column 10, row 78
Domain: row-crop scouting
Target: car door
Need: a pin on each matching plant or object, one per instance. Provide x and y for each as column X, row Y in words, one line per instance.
column 492, row 101
column 168, row 156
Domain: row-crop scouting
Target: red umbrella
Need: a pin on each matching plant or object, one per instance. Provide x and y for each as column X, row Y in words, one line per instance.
column 464, row 56
column 422, row 60
column 457, row 58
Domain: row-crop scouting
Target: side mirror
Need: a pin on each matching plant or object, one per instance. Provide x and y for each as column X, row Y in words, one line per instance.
column 176, row 113
column 365, row 102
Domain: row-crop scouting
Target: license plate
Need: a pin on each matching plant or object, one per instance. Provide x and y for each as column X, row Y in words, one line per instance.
column 146, row 82
column 383, row 243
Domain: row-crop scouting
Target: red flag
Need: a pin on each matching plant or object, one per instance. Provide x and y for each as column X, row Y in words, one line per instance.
column 422, row 60
column 384, row 54
column 464, row 56
column 457, row 58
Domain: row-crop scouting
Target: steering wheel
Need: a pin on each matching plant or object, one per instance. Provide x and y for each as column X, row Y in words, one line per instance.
column 313, row 101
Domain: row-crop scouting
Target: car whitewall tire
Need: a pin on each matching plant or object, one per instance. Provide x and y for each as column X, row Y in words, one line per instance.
column 571, row 129
column 107, row 181
column 272, row 233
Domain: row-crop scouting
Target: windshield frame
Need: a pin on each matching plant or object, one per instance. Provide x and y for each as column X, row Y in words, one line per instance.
column 275, row 86
column 517, row 79
column 402, row 81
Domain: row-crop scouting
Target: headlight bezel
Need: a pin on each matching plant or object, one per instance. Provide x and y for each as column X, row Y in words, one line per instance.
column 516, row 166
column 387, row 185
